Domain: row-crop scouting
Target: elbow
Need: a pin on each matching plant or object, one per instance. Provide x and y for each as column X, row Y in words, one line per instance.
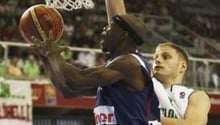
column 64, row 90
column 68, row 95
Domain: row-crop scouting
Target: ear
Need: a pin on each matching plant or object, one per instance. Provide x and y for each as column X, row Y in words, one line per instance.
column 184, row 66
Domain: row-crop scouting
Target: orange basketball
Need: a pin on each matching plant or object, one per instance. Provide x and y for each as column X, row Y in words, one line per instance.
column 38, row 19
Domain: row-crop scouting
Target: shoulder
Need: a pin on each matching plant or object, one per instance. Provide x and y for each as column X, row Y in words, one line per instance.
column 199, row 96
column 192, row 94
column 133, row 62
column 200, row 101
column 131, row 69
column 124, row 61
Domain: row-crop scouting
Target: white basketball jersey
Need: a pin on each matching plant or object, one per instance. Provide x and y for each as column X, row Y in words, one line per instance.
column 174, row 100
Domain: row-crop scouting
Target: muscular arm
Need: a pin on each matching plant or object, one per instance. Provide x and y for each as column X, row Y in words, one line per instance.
column 70, row 80
column 66, row 76
column 196, row 113
column 114, row 7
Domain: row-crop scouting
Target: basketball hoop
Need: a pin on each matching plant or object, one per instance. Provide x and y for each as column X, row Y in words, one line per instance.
column 69, row 5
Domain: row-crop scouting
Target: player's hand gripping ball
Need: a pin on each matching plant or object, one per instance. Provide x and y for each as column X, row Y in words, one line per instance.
column 47, row 47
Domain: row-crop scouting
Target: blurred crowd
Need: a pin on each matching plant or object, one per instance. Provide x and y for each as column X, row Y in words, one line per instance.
column 199, row 18
column 199, row 21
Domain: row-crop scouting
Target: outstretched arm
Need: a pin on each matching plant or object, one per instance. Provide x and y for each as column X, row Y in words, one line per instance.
column 114, row 7
column 67, row 78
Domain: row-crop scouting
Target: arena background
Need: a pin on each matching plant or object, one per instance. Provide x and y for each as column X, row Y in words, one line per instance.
column 192, row 24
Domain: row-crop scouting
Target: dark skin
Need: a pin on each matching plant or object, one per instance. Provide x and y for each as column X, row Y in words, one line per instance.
column 72, row 81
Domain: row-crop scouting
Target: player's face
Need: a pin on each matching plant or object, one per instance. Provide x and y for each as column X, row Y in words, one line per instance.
column 165, row 63
column 111, row 38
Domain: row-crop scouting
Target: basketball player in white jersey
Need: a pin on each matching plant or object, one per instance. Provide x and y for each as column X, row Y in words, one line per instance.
column 179, row 105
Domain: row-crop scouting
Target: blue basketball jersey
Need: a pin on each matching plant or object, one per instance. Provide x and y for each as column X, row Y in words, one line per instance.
column 116, row 105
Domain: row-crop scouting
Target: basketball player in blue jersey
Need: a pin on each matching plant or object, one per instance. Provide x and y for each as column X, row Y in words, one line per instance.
column 179, row 105
column 125, row 94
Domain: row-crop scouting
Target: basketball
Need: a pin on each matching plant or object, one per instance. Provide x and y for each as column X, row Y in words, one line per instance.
column 38, row 20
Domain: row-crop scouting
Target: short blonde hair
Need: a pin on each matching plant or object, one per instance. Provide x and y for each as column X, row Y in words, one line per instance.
column 182, row 53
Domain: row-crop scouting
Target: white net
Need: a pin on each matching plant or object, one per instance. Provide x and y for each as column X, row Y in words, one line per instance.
column 69, row 5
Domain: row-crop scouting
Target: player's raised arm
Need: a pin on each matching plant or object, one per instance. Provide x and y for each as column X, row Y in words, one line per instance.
column 114, row 7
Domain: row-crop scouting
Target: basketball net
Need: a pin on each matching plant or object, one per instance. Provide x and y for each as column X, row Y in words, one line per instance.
column 69, row 5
